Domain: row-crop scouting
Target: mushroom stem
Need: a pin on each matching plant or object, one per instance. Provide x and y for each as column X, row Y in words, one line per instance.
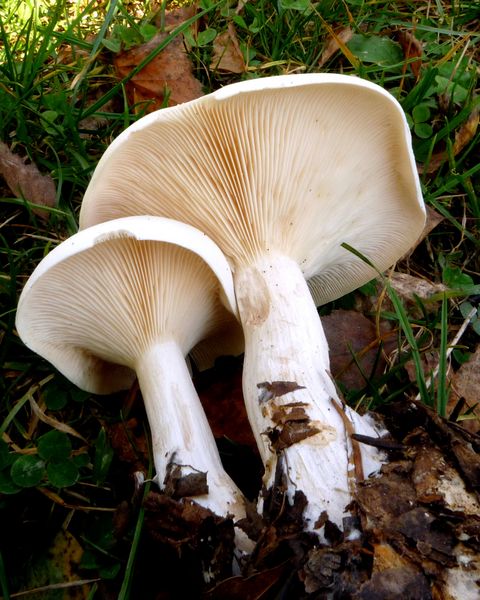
column 289, row 392
column 184, row 449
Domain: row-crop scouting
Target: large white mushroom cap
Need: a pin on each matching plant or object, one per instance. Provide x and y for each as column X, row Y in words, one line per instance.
column 293, row 165
column 101, row 298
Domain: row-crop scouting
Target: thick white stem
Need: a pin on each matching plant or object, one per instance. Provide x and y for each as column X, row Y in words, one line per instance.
column 286, row 348
column 182, row 441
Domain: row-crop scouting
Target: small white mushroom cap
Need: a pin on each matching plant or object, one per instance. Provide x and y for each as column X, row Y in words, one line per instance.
column 103, row 296
column 292, row 165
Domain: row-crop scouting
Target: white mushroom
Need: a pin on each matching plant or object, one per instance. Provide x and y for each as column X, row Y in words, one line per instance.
column 280, row 172
column 133, row 296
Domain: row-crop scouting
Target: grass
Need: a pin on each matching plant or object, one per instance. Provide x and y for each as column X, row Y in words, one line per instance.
column 61, row 105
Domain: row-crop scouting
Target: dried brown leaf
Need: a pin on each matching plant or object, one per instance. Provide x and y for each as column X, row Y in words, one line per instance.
column 335, row 41
column 349, row 334
column 227, row 55
column 433, row 219
column 408, row 286
column 26, row 181
column 412, row 50
column 169, row 72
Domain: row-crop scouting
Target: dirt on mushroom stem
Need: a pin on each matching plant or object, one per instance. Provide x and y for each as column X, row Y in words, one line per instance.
column 289, row 392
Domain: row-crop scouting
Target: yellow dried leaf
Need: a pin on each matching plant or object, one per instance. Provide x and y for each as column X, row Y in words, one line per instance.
column 227, row 55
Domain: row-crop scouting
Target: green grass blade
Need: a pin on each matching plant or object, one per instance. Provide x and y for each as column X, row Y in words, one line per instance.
column 404, row 324
column 442, row 391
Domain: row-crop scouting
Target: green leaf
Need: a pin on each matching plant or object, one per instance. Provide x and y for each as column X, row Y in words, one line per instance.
column 78, row 395
column 421, row 113
column 6, row 484
column 375, row 49
column 62, row 473
column 110, row 571
column 81, row 460
column 103, row 457
column 148, row 31
column 27, row 470
column 369, row 288
column 55, row 398
column 300, row 5
column 205, row 37
column 466, row 308
column 458, row 93
column 54, row 445
column 423, row 130
column 49, row 115
column 461, row 357
column 89, row 560
column 454, row 278
column 5, row 456
column 114, row 45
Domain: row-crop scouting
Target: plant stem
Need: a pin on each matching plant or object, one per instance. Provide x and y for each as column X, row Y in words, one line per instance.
column 289, row 392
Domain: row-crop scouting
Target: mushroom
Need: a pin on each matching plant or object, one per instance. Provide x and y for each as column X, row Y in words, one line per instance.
column 133, row 296
column 280, row 172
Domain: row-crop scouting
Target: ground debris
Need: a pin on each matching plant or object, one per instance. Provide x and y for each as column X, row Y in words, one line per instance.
column 415, row 533
column 178, row 484
column 192, row 537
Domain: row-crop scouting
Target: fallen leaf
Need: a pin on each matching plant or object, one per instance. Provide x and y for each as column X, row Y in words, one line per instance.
column 400, row 582
column 127, row 439
column 351, row 334
column 466, row 385
column 26, row 181
column 254, row 587
column 407, row 287
column 169, row 74
column 385, row 557
column 335, row 41
column 321, row 569
column 220, row 390
column 195, row 535
column 227, row 55
column 57, row 576
column 433, row 219
column 412, row 50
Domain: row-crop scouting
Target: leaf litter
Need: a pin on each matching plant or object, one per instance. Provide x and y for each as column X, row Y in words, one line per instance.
column 167, row 79
column 26, row 181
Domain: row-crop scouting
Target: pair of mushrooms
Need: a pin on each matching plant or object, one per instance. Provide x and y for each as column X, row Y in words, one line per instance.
column 278, row 172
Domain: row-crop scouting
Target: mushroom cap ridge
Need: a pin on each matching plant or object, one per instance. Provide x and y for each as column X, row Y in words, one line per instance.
column 39, row 318
column 295, row 165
